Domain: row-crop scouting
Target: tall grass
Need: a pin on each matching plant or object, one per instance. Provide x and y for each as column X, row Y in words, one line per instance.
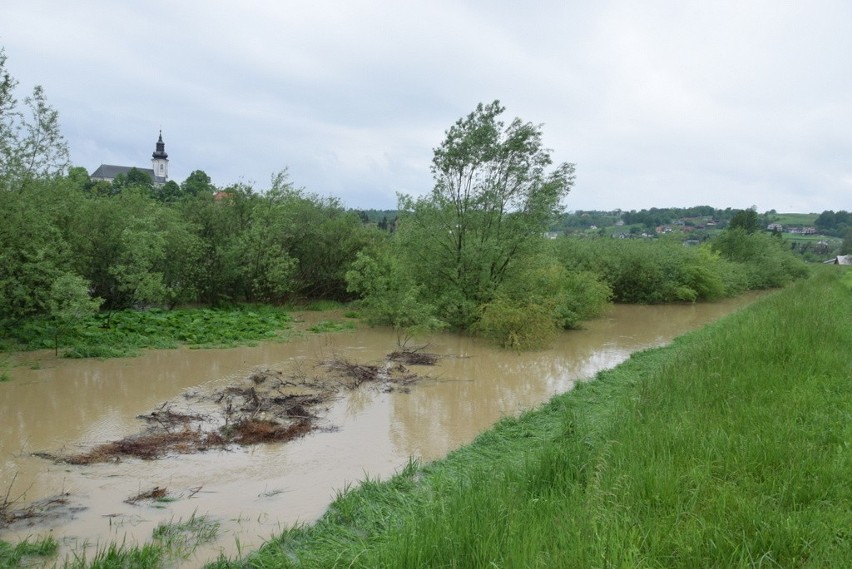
column 27, row 553
column 729, row 448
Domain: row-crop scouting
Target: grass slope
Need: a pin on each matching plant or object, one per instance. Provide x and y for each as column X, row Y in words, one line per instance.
column 729, row 448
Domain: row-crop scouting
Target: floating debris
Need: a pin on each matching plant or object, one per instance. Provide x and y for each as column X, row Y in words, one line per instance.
column 265, row 406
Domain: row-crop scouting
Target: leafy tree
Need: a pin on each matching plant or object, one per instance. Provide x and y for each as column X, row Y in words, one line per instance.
column 833, row 223
column 33, row 254
column 134, row 178
column 766, row 262
column 168, row 192
column 493, row 198
column 120, row 243
column 846, row 246
column 746, row 220
column 218, row 225
column 535, row 303
column 197, row 183
column 391, row 297
column 69, row 303
column 647, row 271
column 31, row 142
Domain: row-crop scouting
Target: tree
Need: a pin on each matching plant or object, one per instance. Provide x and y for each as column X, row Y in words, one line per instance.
column 168, row 192
column 32, row 256
column 197, row 183
column 134, row 178
column 69, row 304
column 493, row 198
column 31, row 142
column 746, row 220
column 846, row 246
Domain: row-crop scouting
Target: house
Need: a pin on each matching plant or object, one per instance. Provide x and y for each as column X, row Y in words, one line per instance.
column 775, row 227
column 159, row 170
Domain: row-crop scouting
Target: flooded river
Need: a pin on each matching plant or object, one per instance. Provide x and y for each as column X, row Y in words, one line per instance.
column 62, row 406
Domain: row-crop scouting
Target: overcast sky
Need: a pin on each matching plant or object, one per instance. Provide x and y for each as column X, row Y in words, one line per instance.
column 658, row 103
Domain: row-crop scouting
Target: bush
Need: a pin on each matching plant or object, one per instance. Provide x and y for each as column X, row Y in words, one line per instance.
column 390, row 298
column 519, row 326
column 647, row 272
column 528, row 312
column 765, row 261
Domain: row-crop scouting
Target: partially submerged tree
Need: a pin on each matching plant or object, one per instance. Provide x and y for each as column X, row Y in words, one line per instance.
column 494, row 196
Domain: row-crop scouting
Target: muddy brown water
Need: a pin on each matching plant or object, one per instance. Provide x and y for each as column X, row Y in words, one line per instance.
column 58, row 405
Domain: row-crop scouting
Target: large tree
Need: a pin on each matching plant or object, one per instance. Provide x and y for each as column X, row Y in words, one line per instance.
column 494, row 195
column 31, row 142
column 458, row 247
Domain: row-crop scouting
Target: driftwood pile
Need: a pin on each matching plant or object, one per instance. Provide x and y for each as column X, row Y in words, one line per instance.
column 265, row 406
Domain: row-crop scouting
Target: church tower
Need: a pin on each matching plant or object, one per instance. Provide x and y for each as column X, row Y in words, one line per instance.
column 160, row 161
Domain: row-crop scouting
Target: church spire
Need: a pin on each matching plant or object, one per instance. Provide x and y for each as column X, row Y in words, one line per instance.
column 160, row 162
column 160, row 152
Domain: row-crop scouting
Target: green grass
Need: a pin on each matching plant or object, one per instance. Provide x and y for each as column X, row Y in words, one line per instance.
column 171, row 542
column 27, row 553
column 729, row 448
column 182, row 537
column 795, row 219
column 148, row 556
column 122, row 333
column 846, row 278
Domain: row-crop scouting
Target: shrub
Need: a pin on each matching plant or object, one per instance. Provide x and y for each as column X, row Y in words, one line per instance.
column 519, row 326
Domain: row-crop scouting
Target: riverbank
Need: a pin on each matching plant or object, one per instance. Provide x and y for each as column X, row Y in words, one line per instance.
column 728, row 448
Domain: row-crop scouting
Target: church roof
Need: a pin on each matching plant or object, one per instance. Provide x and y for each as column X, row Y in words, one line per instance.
column 109, row 172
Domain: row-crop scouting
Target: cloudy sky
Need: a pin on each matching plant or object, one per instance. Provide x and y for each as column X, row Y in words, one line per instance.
column 658, row 103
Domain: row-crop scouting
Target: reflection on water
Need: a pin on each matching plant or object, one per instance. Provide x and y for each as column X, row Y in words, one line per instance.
column 62, row 405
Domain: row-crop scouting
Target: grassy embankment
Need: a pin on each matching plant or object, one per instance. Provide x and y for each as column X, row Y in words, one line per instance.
column 729, row 448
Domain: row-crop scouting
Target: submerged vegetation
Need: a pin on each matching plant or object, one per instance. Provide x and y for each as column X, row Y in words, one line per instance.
column 123, row 332
column 26, row 553
column 728, row 448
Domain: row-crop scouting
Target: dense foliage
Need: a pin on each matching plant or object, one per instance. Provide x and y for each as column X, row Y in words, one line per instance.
column 133, row 250
column 471, row 255
column 650, row 272
column 664, row 270
column 835, row 223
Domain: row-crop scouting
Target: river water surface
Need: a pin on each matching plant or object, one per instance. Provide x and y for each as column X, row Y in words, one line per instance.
column 62, row 406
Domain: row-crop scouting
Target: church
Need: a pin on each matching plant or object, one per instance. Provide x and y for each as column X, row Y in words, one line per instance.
column 159, row 171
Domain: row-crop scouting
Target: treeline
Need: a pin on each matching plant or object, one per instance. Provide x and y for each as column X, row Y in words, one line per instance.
column 652, row 217
column 129, row 248
column 834, row 223
column 470, row 255
column 473, row 254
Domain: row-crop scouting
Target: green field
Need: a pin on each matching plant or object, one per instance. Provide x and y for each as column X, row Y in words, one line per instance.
column 794, row 219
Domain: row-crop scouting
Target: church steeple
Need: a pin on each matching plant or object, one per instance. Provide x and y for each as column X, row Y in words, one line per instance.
column 160, row 161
